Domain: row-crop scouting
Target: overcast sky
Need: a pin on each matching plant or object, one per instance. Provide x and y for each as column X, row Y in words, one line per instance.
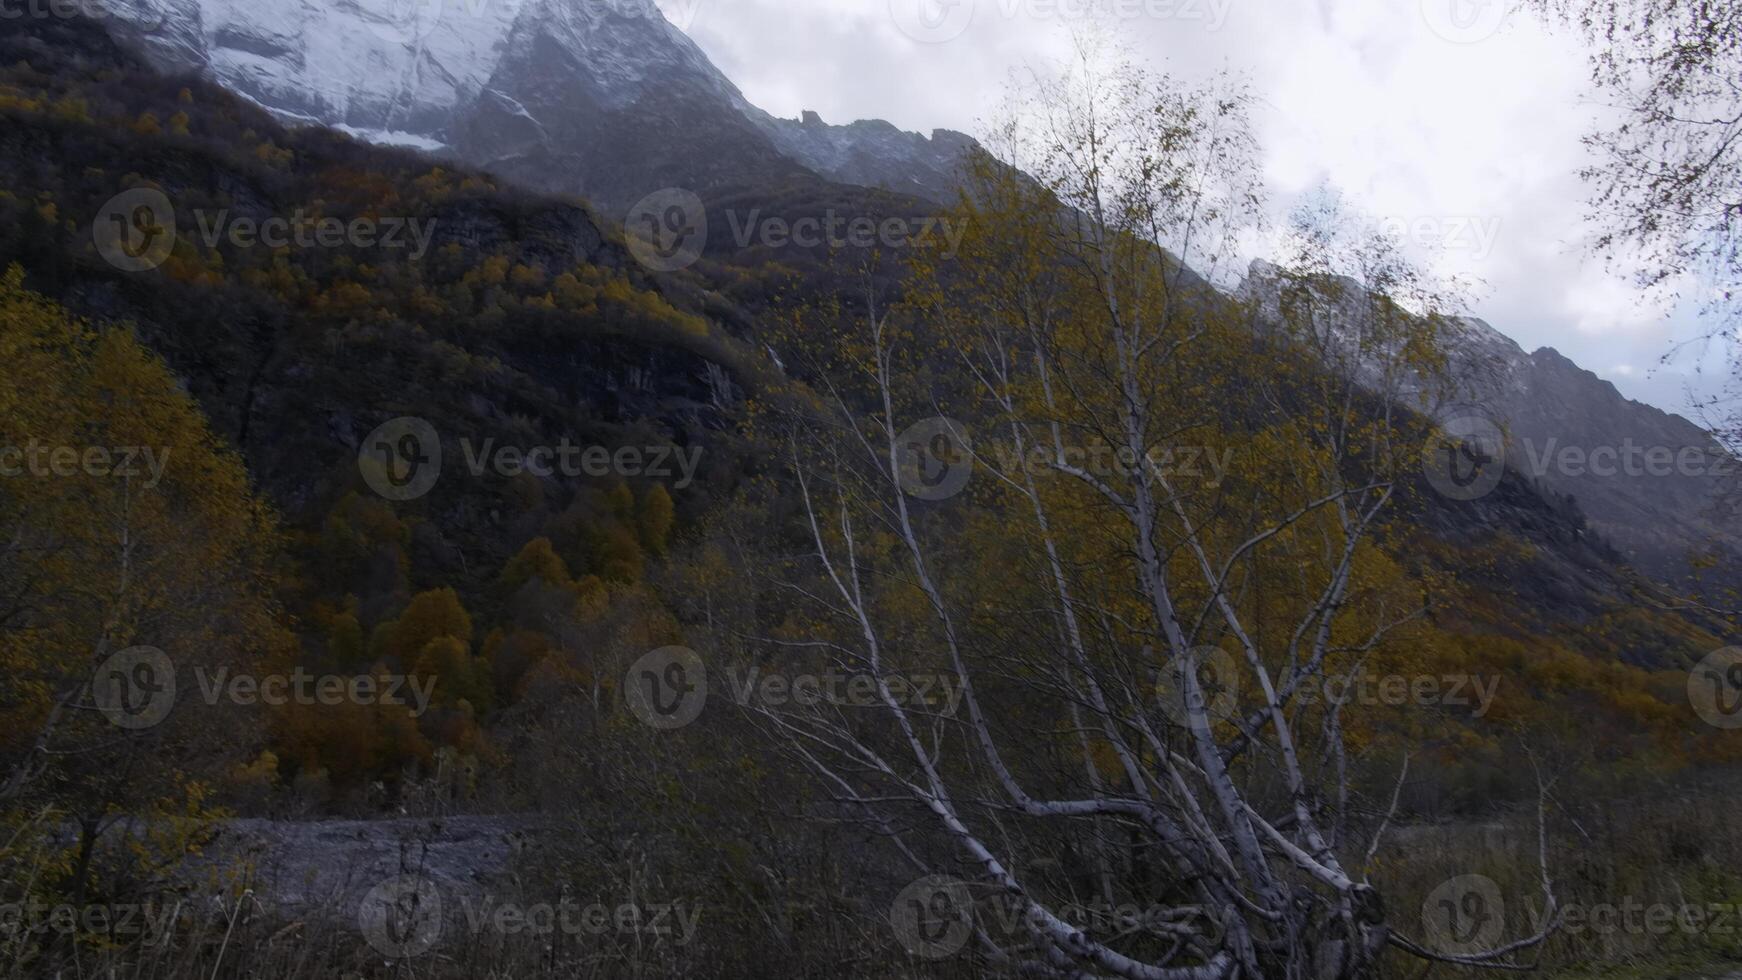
column 1456, row 119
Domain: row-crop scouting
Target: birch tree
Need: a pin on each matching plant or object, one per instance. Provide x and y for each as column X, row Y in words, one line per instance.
column 1065, row 479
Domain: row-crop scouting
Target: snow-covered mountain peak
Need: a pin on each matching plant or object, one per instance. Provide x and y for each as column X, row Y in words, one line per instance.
column 400, row 70
column 604, row 98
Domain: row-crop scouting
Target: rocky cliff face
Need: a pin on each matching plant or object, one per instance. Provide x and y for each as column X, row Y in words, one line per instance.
column 1651, row 483
column 602, row 98
column 873, row 153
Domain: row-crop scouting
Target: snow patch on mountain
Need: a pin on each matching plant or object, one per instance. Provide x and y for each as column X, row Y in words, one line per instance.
column 387, row 137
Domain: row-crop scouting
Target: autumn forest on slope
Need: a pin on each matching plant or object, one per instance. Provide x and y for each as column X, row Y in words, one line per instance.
column 412, row 568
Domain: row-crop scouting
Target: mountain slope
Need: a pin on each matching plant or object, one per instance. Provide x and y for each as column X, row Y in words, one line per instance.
column 1649, row 482
column 521, row 319
column 608, row 100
